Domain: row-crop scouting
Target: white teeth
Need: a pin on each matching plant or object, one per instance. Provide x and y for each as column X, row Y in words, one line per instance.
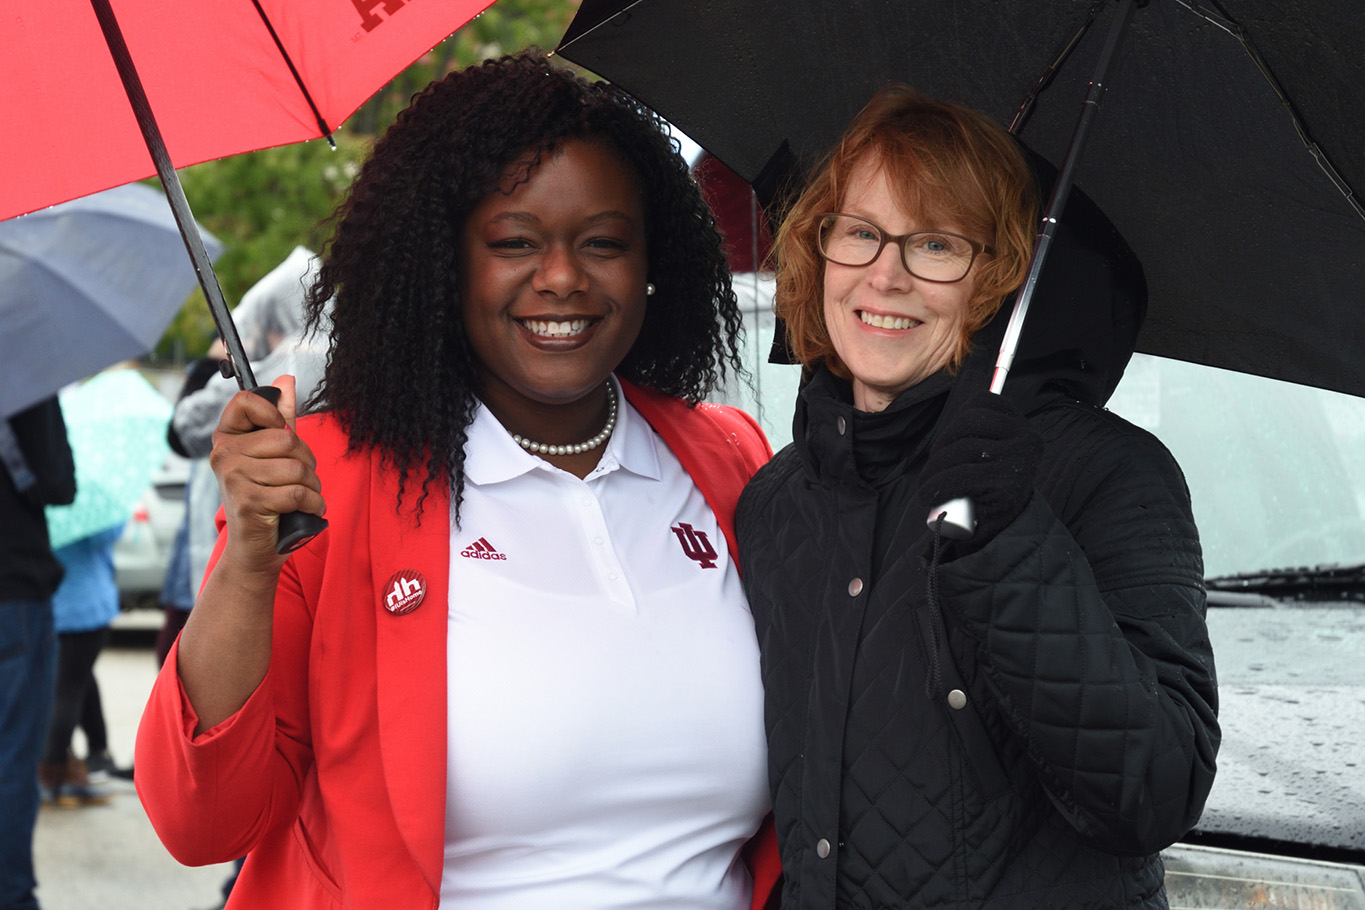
column 555, row 329
column 886, row 322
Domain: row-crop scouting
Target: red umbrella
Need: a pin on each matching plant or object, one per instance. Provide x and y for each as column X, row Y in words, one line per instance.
column 221, row 78
column 105, row 92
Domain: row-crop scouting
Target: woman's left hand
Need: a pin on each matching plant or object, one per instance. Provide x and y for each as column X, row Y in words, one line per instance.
column 984, row 450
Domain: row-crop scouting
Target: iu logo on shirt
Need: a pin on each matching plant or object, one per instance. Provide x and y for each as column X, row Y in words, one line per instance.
column 481, row 549
column 403, row 592
column 695, row 545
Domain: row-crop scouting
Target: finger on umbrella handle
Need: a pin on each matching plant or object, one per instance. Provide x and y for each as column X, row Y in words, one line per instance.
column 295, row 528
column 271, row 394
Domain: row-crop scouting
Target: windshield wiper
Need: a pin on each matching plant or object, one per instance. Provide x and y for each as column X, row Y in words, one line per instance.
column 1306, row 583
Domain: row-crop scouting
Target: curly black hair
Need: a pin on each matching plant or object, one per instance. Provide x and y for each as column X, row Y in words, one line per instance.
column 401, row 375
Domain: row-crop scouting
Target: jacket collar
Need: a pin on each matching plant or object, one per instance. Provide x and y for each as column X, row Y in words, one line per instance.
column 840, row 445
column 493, row 456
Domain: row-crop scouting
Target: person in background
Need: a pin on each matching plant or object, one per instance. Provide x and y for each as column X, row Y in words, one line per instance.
column 83, row 605
column 1021, row 715
column 740, row 219
column 748, row 246
column 178, row 588
column 517, row 669
column 36, row 469
column 99, row 763
column 270, row 319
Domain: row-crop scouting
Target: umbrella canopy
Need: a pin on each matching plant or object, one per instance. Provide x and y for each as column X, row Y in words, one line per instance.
column 152, row 85
column 116, row 424
column 221, row 78
column 1228, row 142
column 86, row 284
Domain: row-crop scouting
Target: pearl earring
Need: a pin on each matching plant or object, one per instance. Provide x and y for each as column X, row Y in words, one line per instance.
column 650, row 289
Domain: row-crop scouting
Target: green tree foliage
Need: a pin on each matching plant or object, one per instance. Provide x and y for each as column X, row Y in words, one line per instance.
column 263, row 204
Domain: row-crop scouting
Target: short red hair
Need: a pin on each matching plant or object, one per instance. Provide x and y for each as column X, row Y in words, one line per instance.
column 948, row 164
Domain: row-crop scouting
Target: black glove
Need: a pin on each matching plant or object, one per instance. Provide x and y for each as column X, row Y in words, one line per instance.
column 984, row 450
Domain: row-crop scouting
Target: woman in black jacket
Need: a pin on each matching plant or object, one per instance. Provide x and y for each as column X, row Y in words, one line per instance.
column 1026, row 717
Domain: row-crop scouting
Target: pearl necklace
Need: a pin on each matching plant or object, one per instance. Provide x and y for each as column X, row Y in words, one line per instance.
column 541, row 448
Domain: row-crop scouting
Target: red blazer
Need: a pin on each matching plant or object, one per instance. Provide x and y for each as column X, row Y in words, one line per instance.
column 333, row 774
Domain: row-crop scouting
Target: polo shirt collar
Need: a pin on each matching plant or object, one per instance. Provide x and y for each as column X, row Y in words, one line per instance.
column 493, row 456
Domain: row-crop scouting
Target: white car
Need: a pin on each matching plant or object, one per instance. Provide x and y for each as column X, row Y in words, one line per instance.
column 143, row 551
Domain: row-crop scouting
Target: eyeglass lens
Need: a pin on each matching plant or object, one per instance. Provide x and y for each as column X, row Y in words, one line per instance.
column 851, row 241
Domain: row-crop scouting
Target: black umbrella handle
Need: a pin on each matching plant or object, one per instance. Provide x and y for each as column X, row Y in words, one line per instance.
column 296, row 528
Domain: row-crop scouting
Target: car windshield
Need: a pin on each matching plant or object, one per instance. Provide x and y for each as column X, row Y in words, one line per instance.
column 1276, row 470
column 1277, row 480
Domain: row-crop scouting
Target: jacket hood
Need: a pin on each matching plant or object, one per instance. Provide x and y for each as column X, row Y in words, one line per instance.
column 275, row 305
column 1083, row 321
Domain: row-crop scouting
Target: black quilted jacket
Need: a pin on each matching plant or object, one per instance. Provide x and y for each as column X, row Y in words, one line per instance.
column 1071, row 730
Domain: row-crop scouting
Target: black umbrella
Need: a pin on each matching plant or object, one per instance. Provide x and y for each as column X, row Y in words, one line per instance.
column 1230, row 138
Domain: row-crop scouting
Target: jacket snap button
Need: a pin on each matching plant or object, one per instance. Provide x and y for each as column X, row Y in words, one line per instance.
column 855, row 587
column 843, row 427
column 957, row 699
column 822, row 848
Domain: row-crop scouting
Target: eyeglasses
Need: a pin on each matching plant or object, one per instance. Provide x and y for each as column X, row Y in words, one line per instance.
column 938, row 256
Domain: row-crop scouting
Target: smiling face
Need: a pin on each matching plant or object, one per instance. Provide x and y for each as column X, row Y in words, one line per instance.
column 553, row 284
column 891, row 329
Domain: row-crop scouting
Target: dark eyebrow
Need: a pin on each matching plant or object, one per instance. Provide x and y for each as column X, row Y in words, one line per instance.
column 527, row 218
column 515, row 218
column 610, row 215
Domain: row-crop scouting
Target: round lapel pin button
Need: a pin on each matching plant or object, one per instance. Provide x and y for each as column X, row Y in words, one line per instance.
column 404, row 591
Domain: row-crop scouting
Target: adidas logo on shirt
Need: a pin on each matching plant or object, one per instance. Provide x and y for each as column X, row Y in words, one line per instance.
column 481, row 549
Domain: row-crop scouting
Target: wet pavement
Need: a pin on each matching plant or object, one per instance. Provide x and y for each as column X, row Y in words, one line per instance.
column 108, row 857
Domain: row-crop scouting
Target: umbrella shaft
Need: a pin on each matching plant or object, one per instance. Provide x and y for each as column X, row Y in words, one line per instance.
column 1026, row 107
column 1061, row 191
column 170, row 181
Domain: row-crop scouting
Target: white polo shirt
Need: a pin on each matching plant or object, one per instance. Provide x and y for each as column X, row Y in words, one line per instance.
column 606, row 743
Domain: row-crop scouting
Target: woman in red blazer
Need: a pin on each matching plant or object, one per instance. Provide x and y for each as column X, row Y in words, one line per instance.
column 522, row 266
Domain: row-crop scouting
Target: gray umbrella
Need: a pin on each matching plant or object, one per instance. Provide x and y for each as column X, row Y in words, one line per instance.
column 86, row 284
